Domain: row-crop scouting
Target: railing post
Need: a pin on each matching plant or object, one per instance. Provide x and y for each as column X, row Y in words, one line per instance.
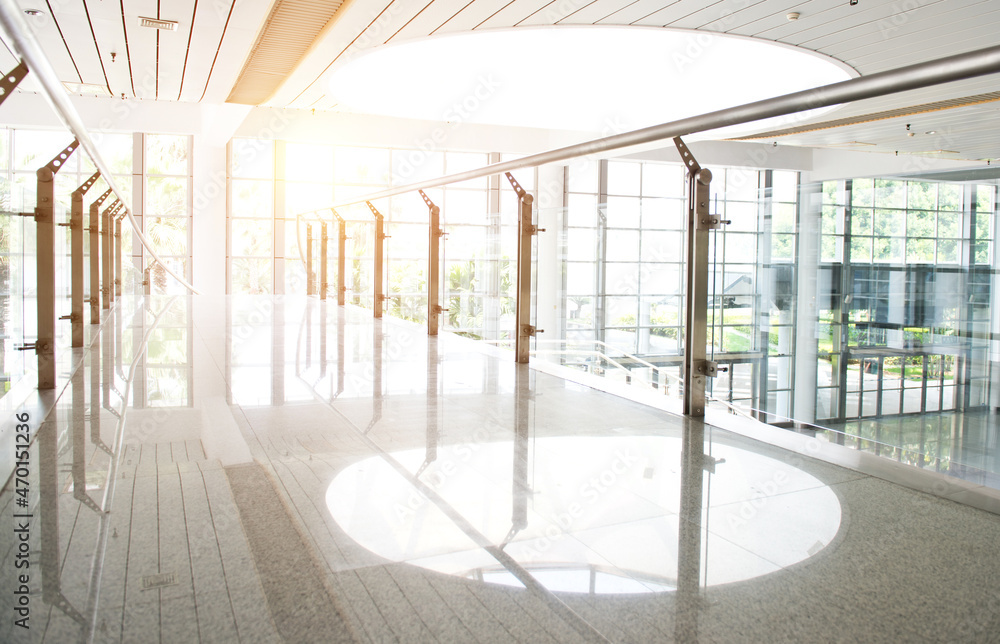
column 95, row 257
column 106, row 254
column 76, row 248
column 45, row 255
column 434, row 235
column 118, row 256
column 380, row 237
column 341, row 258
column 526, row 230
column 322, row 262
column 310, row 282
column 696, row 365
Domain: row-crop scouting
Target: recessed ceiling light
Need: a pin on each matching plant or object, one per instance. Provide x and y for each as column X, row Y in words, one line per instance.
column 86, row 89
column 793, row 16
column 931, row 132
column 34, row 12
column 156, row 23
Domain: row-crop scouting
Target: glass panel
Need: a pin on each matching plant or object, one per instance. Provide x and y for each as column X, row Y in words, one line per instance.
column 167, row 154
column 169, row 235
column 252, row 237
column 251, row 276
column 253, row 158
column 624, row 178
column 252, row 199
column 368, row 166
column 623, row 212
column 662, row 180
column 166, row 197
column 308, row 162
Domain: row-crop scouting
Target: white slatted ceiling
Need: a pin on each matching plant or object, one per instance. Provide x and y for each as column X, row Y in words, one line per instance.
column 634, row 11
column 45, row 31
column 76, row 31
column 960, row 129
column 593, row 12
column 671, row 13
column 873, row 33
column 106, row 19
column 173, row 46
column 872, row 36
column 432, row 16
column 141, row 47
column 473, row 15
column 514, row 13
column 553, row 13
column 720, row 16
column 207, row 33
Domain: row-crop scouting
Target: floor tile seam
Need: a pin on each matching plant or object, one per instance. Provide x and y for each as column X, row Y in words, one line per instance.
column 218, row 541
column 475, row 596
column 361, row 622
column 703, row 530
column 378, row 605
column 389, row 567
column 810, row 488
column 190, row 558
column 69, row 539
column 312, row 540
column 128, row 553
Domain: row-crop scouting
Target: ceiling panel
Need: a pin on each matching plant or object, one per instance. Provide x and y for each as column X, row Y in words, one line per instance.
column 972, row 132
column 141, row 48
column 594, row 12
column 513, row 13
column 172, row 47
column 720, row 16
column 72, row 20
column 672, row 13
column 46, row 31
column 106, row 20
column 634, row 11
column 552, row 13
column 772, row 17
column 432, row 16
column 205, row 38
column 891, row 24
column 910, row 45
column 472, row 15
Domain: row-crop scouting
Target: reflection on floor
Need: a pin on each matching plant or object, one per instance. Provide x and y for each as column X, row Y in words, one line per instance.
column 280, row 469
column 960, row 444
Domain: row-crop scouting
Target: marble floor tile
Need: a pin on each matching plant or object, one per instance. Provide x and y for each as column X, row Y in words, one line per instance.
column 277, row 469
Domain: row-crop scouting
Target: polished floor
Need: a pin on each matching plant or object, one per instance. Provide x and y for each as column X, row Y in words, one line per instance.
column 280, row 469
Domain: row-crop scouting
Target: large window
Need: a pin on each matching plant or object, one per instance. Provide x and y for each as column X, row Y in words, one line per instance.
column 906, row 310
column 167, row 211
column 272, row 183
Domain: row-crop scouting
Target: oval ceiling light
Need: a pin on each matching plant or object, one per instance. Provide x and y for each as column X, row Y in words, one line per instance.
column 587, row 78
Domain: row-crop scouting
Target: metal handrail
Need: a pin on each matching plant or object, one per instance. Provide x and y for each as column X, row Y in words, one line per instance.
column 17, row 34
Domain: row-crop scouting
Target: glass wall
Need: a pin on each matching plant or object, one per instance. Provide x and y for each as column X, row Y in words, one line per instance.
column 22, row 152
column 905, row 313
column 167, row 211
column 270, row 183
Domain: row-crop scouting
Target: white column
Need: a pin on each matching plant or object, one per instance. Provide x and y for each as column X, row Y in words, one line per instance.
column 807, row 307
column 208, row 223
column 550, row 296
